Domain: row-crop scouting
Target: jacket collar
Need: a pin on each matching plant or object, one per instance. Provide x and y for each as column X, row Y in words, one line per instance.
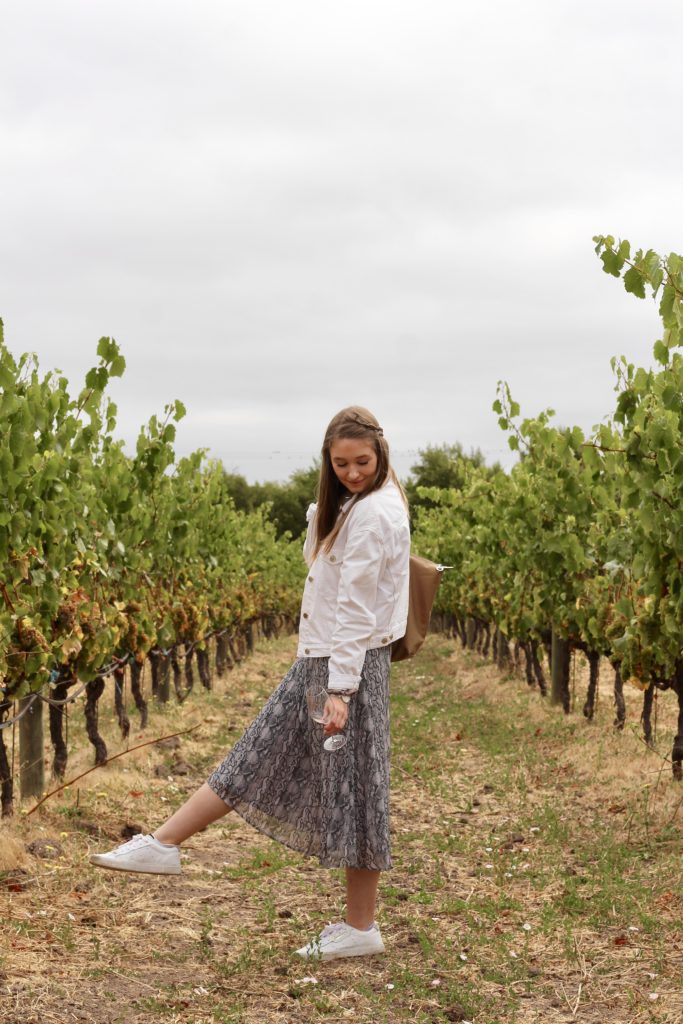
column 344, row 507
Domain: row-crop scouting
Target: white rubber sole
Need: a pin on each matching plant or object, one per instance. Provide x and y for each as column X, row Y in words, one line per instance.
column 340, row 954
column 99, row 861
column 344, row 956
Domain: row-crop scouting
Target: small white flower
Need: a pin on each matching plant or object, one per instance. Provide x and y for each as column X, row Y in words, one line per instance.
column 308, row 980
column 201, row 991
column 508, row 875
column 389, row 987
column 632, row 928
column 435, row 983
column 534, row 828
column 488, row 849
column 654, row 996
column 513, row 955
column 526, row 926
column 488, row 866
column 463, row 956
column 71, row 917
column 651, row 975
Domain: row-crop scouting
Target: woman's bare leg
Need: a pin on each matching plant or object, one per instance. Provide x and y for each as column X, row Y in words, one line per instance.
column 361, row 896
column 200, row 810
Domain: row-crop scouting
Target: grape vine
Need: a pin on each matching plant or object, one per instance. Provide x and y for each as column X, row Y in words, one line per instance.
column 108, row 559
column 583, row 540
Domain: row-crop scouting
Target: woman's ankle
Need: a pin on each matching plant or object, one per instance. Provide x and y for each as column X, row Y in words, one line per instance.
column 164, row 840
column 358, row 924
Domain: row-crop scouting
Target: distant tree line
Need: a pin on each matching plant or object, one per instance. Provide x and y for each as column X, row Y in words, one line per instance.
column 443, row 466
column 288, row 501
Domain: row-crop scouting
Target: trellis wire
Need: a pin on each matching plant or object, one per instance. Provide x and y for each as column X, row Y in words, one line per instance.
column 106, row 671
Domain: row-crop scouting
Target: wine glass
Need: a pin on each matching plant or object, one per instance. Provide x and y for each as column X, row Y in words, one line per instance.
column 317, row 698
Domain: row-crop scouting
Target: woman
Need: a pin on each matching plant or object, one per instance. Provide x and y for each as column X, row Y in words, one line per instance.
column 278, row 776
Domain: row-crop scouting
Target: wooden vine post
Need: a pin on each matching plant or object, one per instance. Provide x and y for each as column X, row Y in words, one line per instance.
column 32, row 767
column 503, row 658
column 559, row 691
column 163, row 694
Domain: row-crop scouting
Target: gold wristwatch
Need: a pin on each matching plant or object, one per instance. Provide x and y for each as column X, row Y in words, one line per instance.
column 346, row 697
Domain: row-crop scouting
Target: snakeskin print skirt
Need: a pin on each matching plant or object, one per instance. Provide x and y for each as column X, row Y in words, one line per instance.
column 278, row 777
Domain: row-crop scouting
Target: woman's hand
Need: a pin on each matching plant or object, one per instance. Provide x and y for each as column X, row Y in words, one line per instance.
column 336, row 715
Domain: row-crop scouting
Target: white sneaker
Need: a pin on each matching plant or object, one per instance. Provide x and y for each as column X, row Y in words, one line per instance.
column 141, row 853
column 341, row 939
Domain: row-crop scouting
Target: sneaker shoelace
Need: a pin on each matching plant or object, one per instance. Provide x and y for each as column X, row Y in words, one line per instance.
column 138, row 840
column 332, row 929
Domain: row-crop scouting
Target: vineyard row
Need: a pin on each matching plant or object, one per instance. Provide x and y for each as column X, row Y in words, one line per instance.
column 580, row 545
column 109, row 559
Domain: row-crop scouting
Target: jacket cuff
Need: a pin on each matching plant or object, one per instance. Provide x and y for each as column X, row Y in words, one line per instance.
column 341, row 685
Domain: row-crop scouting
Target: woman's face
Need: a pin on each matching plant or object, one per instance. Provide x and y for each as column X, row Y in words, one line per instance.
column 354, row 463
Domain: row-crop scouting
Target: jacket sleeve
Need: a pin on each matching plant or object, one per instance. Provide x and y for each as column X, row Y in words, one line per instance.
column 364, row 558
column 309, row 543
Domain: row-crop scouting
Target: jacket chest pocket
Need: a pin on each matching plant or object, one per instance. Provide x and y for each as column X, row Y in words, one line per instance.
column 333, row 558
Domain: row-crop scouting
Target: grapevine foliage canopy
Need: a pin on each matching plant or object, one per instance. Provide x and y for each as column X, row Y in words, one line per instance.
column 105, row 555
column 585, row 534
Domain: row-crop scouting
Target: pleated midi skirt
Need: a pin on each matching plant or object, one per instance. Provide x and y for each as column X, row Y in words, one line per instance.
column 333, row 806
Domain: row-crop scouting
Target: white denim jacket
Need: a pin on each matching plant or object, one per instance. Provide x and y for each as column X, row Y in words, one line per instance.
column 356, row 595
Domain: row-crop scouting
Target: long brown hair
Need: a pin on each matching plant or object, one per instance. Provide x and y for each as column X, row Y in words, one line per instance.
column 358, row 424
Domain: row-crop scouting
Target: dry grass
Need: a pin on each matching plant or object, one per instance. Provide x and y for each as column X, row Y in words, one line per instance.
column 536, row 873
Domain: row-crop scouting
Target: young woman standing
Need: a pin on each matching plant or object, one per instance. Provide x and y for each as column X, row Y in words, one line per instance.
column 278, row 776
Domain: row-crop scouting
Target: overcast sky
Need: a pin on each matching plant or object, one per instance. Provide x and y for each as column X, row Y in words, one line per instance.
column 278, row 208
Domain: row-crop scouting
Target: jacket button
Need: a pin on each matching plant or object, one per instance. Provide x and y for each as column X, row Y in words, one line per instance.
column 307, row 650
column 310, row 579
column 333, row 558
column 385, row 639
column 305, row 615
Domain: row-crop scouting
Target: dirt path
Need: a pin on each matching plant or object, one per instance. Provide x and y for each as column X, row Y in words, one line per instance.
column 536, row 878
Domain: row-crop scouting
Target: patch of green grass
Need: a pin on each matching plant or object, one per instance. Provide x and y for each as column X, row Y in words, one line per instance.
column 251, row 957
column 260, row 863
column 413, row 985
column 205, row 939
column 227, row 1015
column 160, row 1006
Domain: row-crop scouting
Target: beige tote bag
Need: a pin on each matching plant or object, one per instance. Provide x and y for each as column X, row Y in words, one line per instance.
column 423, row 584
